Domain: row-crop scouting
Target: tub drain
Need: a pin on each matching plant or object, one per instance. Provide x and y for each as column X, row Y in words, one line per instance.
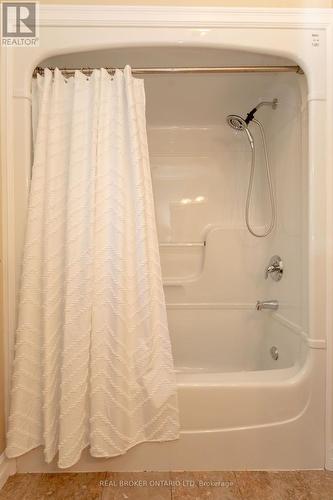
column 274, row 352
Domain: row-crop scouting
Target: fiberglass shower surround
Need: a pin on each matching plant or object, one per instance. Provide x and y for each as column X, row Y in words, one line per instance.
column 97, row 305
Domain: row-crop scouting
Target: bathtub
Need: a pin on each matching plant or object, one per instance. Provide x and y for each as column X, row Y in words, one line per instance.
column 223, row 363
column 255, row 420
column 237, row 411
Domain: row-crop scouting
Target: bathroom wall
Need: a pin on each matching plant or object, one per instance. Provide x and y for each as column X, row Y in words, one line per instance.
column 200, row 170
column 2, row 382
column 221, row 3
column 2, row 391
column 200, row 173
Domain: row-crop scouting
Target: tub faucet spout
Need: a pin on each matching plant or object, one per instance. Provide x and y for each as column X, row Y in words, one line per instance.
column 267, row 304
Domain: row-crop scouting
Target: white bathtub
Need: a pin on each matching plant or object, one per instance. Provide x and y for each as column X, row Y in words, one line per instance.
column 230, row 421
column 236, row 412
column 226, row 375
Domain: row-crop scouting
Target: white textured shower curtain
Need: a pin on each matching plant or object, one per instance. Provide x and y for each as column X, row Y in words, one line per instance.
column 93, row 364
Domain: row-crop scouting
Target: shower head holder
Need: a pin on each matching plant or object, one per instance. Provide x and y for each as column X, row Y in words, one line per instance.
column 250, row 115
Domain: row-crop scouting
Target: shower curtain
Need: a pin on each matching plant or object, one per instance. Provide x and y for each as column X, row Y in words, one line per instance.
column 93, row 364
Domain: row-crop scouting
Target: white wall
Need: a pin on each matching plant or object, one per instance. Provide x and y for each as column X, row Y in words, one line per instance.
column 221, row 3
column 200, row 174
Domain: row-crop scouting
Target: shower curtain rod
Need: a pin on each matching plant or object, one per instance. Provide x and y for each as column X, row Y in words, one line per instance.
column 157, row 71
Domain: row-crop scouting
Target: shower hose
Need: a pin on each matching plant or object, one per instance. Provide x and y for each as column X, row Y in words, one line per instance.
column 250, row 187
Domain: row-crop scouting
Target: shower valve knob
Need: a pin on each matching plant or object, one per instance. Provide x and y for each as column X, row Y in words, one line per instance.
column 274, row 268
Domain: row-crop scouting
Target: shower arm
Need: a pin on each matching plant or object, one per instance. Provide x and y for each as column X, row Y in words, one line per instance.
column 250, row 115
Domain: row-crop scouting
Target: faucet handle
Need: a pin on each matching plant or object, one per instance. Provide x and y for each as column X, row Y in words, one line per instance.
column 268, row 270
column 274, row 268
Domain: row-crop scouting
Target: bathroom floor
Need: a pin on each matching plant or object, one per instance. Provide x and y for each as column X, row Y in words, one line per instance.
column 292, row 485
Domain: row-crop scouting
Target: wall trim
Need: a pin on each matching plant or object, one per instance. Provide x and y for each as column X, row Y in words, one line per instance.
column 130, row 15
column 298, row 330
column 7, row 468
column 329, row 263
column 329, row 459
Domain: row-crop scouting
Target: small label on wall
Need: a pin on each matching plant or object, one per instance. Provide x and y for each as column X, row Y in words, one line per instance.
column 315, row 39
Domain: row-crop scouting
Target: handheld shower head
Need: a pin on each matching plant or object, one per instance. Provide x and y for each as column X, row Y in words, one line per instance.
column 238, row 123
